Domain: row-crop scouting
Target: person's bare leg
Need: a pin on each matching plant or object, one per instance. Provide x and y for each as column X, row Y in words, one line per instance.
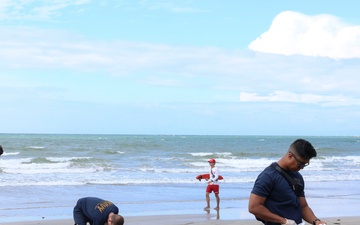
column 207, row 201
column 217, row 202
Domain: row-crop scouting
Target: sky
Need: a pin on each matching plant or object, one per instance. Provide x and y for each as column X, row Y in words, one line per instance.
column 180, row 67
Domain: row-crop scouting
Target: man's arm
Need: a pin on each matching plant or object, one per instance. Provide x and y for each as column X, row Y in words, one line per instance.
column 307, row 213
column 256, row 207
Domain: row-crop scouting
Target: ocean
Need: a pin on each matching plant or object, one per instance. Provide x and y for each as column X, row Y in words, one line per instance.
column 43, row 175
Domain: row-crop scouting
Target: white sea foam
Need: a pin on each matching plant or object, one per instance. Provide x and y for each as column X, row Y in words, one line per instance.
column 198, row 154
column 36, row 147
column 40, row 183
column 65, row 159
column 57, row 165
column 10, row 153
column 164, row 165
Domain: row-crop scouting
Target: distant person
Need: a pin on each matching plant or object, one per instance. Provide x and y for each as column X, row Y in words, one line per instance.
column 1, row 150
column 96, row 211
column 278, row 194
column 213, row 185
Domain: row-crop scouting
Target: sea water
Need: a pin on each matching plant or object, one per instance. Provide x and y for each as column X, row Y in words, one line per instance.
column 43, row 175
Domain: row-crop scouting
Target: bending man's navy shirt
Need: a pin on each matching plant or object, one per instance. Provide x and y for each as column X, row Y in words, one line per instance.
column 93, row 210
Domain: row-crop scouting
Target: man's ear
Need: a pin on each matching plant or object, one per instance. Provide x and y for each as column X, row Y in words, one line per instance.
column 289, row 155
column 109, row 220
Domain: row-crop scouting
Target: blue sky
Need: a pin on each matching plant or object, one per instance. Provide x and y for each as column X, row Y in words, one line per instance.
column 180, row 67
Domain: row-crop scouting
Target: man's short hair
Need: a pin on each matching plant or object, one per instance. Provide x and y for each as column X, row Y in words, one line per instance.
column 304, row 149
column 117, row 219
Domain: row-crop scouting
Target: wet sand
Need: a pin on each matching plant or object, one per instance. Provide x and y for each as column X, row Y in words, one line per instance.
column 181, row 220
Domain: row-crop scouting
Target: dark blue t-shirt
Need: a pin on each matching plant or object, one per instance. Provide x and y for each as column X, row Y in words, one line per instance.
column 93, row 210
column 280, row 197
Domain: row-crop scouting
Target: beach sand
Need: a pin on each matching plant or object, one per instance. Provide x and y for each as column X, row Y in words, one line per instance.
column 181, row 220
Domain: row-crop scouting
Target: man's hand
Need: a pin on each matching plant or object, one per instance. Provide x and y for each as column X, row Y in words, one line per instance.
column 321, row 222
column 289, row 222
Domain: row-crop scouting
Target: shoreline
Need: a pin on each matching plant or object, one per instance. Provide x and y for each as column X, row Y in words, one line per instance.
column 183, row 220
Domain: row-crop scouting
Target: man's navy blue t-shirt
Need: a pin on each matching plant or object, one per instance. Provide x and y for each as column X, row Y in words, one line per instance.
column 93, row 210
column 280, row 197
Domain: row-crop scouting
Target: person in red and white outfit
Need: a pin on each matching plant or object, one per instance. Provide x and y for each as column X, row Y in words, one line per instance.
column 213, row 185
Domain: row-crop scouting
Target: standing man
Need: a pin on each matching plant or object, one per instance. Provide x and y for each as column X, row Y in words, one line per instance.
column 96, row 211
column 213, row 185
column 278, row 194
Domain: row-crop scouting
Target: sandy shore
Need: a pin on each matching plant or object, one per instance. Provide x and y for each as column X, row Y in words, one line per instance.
column 182, row 220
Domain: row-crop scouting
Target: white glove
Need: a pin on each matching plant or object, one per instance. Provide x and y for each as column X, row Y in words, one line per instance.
column 289, row 222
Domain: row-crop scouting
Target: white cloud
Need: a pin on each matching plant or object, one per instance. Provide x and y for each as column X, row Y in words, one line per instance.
column 162, row 82
column 13, row 10
column 294, row 33
column 324, row 81
column 285, row 96
column 49, row 49
column 172, row 6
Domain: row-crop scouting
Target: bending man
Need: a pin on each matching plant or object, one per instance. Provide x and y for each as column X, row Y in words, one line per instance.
column 96, row 211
